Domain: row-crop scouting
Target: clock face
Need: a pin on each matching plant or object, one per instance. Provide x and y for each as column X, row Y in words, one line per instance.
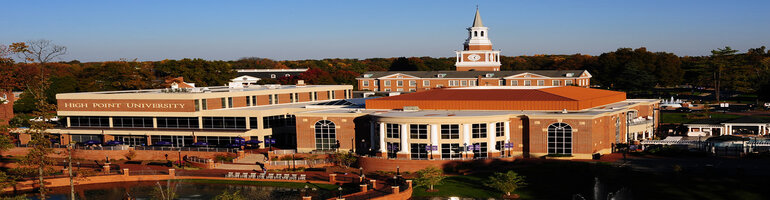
column 474, row 57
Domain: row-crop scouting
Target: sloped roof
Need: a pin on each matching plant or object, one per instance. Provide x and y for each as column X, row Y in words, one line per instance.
column 474, row 74
column 501, row 98
column 477, row 19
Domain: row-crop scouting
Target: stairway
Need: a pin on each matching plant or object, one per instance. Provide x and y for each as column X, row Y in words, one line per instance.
column 248, row 162
column 250, row 158
column 238, row 167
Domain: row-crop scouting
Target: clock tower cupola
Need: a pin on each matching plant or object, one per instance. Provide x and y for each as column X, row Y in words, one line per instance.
column 477, row 53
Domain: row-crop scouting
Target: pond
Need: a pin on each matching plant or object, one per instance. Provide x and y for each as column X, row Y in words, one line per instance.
column 185, row 189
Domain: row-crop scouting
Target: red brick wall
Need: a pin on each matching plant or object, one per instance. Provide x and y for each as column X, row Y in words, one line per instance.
column 339, row 94
column 371, row 164
column 284, row 98
column 118, row 154
column 239, row 102
column 323, row 95
column 345, row 131
column 303, row 96
column 214, row 103
column 263, row 100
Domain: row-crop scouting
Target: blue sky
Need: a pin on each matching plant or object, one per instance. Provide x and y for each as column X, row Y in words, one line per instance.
column 313, row 29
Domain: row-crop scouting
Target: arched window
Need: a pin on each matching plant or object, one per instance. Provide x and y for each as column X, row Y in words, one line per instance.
column 475, row 33
column 560, row 138
column 325, row 135
column 482, row 33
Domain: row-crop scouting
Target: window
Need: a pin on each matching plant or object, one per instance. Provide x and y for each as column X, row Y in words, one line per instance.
column 392, row 130
column 270, row 99
column 568, row 82
column 412, row 89
column 475, row 33
column 132, row 140
column 482, row 33
column 229, row 102
column 450, row 131
column 412, row 83
column 478, row 130
column 501, row 82
column 393, row 148
column 387, row 83
column 464, row 83
column 418, row 131
column 418, row 151
column 89, row 122
column 248, row 100
column 286, row 75
column 325, row 135
column 617, row 130
column 132, row 122
column 514, row 82
column 365, row 83
column 253, row 100
column 540, row 82
column 224, row 102
column 480, row 152
column 197, row 105
column 204, row 104
column 559, row 139
column 315, row 96
column 399, row 83
column 453, row 83
column 76, row 138
column 451, row 151
column 176, row 141
column 178, row 122
column 425, row 83
column 376, row 83
column 278, row 121
column 400, row 89
column 293, row 97
column 216, row 140
column 499, row 129
column 527, row 82
column 254, row 122
column 224, row 122
column 387, row 90
column 555, row 83
column 272, row 75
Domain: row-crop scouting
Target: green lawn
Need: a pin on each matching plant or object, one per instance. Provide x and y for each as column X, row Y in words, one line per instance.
column 562, row 180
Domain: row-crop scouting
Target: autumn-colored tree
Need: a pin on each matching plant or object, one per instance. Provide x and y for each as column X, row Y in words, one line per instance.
column 198, row 71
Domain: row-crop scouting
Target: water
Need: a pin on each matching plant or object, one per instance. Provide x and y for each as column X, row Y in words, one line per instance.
column 184, row 190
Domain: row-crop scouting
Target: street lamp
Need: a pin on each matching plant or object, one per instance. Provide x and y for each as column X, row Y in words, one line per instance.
column 465, row 150
column 361, row 171
column 339, row 193
column 398, row 170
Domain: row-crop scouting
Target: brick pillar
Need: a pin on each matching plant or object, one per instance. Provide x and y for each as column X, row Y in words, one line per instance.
column 64, row 139
column 333, row 178
column 409, row 183
column 106, row 168
column 24, row 138
column 172, row 172
column 241, row 153
column 210, row 163
column 307, row 198
column 125, row 172
column 363, row 188
column 395, row 189
column 374, row 183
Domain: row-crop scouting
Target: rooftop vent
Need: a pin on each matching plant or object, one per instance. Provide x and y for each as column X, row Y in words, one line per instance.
column 411, row 108
column 564, row 111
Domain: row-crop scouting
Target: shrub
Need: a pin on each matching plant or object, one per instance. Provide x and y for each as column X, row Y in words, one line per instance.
column 505, row 182
column 228, row 157
column 130, row 155
column 429, row 176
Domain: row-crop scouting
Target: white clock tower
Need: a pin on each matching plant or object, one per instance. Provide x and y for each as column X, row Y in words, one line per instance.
column 477, row 53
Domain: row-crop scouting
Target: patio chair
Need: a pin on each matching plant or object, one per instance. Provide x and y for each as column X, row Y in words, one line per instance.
column 286, row 176
column 245, row 175
column 262, row 175
column 229, row 175
column 237, row 175
column 302, row 177
column 270, row 176
column 293, row 177
column 253, row 175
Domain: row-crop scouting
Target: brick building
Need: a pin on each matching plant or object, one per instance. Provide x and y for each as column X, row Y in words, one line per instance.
column 476, row 65
column 6, row 107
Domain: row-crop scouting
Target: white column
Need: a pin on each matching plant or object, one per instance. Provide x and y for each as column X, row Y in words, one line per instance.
column 492, row 135
column 434, row 134
column 466, row 134
column 404, row 137
column 382, row 138
column 507, row 131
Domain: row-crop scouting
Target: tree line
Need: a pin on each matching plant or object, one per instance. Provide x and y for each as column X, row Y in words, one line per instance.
column 625, row 69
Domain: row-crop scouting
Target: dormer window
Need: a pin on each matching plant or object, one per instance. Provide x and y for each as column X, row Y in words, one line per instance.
column 440, row 75
column 489, row 75
column 272, row 75
column 527, row 75
column 287, row 75
column 367, row 75
column 570, row 74
column 399, row 77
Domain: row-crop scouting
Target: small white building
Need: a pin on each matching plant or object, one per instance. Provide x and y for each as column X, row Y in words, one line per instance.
column 244, row 80
column 717, row 127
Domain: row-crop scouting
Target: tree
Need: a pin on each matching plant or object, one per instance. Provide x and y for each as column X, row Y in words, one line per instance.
column 506, row 182
column 198, row 71
column 164, row 193
column 229, row 195
column 344, row 158
column 719, row 61
column 40, row 51
column 403, row 64
column 37, row 159
column 429, row 177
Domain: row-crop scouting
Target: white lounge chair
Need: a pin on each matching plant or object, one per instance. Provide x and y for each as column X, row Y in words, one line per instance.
column 270, row 176
column 253, row 175
column 293, row 177
column 245, row 175
column 286, row 176
column 262, row 176
column 229, row 175
column 237, row 175
column 302, row 177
